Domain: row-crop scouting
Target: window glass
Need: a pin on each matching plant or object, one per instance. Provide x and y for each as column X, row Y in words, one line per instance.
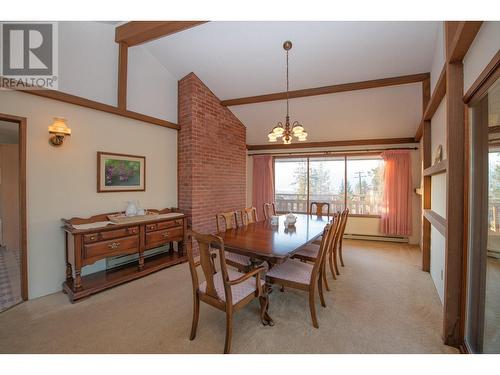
column 326, row 181
column 291, row 184
column 365, row 179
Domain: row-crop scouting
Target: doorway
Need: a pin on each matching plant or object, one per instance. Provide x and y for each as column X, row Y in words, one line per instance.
column 13, row 230
column 482, row 330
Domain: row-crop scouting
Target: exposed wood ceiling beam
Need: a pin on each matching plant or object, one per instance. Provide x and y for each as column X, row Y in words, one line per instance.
column 122, row 75
column 363, row 85
column 465, row 32
column 356, row 142
column 138, row 32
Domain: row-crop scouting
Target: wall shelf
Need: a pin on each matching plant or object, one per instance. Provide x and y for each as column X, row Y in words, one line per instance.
column 436, row 220
column 437, row 168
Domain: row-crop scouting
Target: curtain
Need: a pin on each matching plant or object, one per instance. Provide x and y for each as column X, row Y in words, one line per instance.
column 263, row 182
column 396, row 200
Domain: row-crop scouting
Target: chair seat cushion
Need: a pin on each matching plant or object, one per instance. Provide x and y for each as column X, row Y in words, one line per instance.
column 292, row 270
column 309, row 251
column 237, row 258
column 238, row 291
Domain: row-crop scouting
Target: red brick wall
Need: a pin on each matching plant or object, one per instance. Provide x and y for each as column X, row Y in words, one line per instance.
column 212, row 156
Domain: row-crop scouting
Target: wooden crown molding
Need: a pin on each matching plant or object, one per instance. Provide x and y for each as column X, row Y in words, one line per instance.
column 465, row 32
column 356, row 142
column 138, row 32
column 363, row 85
column 77, row 100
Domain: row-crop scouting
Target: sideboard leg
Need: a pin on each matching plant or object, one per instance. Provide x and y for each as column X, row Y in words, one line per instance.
column 141, row 260
column 69, row 272
column 78, row 279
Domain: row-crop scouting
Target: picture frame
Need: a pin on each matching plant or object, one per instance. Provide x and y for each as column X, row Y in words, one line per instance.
column 120, row 172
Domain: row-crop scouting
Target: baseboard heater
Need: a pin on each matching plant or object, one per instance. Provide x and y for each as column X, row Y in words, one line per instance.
column 369, row 237
column 121, row 260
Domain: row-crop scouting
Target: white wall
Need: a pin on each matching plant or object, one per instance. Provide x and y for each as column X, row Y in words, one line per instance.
column 360, row 225
column 438, row 56
column 483, row 48
column 152, row 90
column 88, row 60
column 386, row 112
column 438, row 182
column 437, row 261
column 61, row 182
column 88, row 67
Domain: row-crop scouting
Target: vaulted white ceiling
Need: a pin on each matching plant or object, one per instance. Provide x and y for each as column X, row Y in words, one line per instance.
column 238, row 59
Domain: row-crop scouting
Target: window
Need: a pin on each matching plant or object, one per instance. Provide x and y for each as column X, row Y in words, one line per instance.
column 355, row 182
column 326, row 177
column 290, row 184
column 365, row 179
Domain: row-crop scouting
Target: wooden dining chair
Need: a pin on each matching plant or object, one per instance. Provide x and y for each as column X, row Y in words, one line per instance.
column 226, row 290
column 230, row 221
column 318, row 208
column 345, row 214
column 269, row 210
column 309, row 253
column 249, row 215
column 303, row 276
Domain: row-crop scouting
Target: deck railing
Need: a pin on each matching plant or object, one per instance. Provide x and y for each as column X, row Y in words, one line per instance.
column 358, row 204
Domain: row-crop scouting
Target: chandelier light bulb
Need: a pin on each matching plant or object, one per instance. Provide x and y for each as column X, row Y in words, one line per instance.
column 286, row 131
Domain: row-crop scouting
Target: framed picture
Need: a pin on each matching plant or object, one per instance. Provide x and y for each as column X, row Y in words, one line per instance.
column 120, row 172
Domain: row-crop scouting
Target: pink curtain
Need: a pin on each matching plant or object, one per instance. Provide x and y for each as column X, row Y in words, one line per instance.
column 396, row 210
column 263, row 182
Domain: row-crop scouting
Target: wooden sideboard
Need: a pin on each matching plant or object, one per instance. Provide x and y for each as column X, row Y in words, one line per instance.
column 86, row 246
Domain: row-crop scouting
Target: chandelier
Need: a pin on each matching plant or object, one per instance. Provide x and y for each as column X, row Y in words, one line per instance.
column 287, row 132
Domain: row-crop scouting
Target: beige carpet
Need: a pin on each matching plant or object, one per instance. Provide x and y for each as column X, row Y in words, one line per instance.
column 381, row 303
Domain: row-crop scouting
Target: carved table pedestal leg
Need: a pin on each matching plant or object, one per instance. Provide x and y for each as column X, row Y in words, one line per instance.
column 264, row 299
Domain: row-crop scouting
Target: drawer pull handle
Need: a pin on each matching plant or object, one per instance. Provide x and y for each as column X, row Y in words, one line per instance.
column 92, row 238
column 165, row 235
column 114, row 245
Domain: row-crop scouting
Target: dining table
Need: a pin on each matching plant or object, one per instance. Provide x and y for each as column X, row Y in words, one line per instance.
column 273, row 244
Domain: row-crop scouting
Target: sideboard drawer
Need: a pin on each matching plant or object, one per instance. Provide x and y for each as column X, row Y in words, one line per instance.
column 161, row 237
column 107, row 235
column 163, row 225
column 105, row 249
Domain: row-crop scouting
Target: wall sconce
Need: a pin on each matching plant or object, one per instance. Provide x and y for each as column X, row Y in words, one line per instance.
column 58, row 131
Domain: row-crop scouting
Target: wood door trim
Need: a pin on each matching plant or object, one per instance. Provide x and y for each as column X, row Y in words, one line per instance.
column 484, row 81
column 22, row 122
column 353, row 86
column 87, row 103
